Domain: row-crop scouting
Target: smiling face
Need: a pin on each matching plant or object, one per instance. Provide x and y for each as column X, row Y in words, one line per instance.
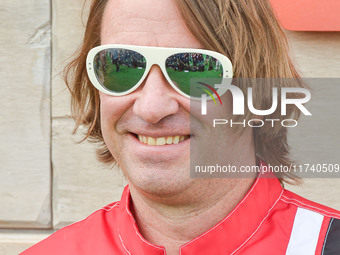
column 155, row 113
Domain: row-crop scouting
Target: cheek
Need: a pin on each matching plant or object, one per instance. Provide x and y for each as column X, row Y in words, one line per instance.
column 106, row 111
column 109, row 112
column 112, row 109
column 109, row 106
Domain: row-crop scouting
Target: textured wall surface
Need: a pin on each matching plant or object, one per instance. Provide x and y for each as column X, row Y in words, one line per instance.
column 47, row 180
column 80, row 184
column 25, row 56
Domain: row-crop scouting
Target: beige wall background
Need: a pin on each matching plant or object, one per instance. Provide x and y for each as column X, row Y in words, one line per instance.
column 48, row 181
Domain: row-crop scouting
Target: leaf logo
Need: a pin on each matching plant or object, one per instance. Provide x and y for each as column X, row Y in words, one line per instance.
column 209, row 93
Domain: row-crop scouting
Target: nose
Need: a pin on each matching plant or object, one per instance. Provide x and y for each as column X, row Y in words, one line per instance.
column 156, row 99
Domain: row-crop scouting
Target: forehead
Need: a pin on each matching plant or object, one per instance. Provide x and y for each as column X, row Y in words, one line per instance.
column 145, row 23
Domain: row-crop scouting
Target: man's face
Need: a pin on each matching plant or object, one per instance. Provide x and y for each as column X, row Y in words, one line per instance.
column 155, row 109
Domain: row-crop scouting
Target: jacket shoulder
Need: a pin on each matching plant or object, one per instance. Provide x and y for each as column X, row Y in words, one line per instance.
column 79, row 237
column 313, row 214
column 301, row 202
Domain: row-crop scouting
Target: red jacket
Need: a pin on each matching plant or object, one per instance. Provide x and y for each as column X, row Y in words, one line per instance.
column 268, row 221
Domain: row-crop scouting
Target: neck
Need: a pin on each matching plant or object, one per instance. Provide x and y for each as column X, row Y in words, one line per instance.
column 172, row 224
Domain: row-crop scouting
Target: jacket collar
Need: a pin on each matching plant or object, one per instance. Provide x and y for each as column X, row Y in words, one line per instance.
column 226, row 237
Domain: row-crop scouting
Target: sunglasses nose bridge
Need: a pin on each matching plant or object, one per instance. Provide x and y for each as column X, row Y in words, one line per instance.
column 157, row 58
column 156, row 64
column 162, row 69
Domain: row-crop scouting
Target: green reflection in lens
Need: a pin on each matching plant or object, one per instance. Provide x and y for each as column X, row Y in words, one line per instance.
column 119, row 70
column 184, row 67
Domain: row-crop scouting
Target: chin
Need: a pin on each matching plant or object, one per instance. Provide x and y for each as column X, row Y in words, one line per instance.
column 158, row 182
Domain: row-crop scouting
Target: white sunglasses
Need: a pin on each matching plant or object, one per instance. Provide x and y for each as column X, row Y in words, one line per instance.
column 118, row 70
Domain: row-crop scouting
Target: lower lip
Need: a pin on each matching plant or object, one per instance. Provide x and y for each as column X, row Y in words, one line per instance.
column 168, row 150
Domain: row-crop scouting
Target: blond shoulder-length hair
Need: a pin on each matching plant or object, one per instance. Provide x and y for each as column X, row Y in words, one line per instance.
column 246, row 31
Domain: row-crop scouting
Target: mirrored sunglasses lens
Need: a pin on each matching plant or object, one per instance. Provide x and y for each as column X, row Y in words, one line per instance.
column 194, row 73
column 118, row 70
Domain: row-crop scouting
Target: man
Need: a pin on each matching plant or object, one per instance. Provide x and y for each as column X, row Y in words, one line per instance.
column 114, row 59
column 146, row 130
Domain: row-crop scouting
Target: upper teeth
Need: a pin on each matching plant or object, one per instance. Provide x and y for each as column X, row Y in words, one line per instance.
column 161, row 140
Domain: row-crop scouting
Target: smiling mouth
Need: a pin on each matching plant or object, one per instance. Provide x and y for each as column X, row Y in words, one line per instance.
column 162, row 140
